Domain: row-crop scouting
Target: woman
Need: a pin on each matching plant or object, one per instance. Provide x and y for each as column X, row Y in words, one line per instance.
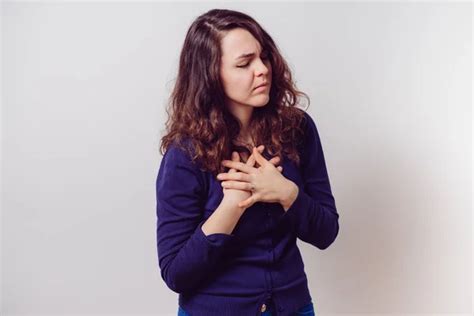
column 227, row 228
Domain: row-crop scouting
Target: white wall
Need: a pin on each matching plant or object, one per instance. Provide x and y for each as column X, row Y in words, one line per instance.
column 84, row 87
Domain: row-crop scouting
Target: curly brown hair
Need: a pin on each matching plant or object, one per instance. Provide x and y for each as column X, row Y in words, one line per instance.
column 197, row 113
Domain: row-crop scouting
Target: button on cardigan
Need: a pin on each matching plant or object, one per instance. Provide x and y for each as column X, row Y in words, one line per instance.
column 235, row 274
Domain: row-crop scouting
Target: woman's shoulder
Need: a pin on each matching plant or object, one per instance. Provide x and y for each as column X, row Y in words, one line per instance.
column 310, row 141
column 178, row 158
column 307, row 126
column 307, row 123
column 177, row 147
column 180, row 152
column 178, row 172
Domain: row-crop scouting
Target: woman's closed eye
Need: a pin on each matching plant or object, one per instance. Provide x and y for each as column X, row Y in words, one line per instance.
column 264, row 57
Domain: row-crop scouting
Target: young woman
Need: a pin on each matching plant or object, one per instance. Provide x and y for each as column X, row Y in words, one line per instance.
column 242, row 177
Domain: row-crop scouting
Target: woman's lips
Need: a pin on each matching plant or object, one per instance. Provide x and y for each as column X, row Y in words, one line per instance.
column 262, row 87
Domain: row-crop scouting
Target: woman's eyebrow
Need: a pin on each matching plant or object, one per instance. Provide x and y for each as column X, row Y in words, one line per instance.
column 246, row 55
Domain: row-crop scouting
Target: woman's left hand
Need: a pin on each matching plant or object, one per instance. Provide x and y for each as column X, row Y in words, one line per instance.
column 266, row 183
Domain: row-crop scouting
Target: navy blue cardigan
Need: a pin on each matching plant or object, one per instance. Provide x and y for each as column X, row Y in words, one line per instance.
column 233, row 274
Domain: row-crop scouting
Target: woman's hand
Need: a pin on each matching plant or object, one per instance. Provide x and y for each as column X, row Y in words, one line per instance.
column 266, row 183
column 235, row 196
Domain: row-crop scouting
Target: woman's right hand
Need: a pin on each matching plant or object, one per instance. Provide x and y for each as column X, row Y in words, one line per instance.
column 235, row 196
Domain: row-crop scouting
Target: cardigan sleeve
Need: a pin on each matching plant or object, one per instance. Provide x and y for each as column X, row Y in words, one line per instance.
column 314, row 211
column 186, row 255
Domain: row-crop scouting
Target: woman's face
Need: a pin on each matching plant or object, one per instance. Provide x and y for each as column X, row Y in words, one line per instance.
column 241, row 75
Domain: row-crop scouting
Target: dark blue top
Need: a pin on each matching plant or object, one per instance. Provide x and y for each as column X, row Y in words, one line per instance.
column 222, row 274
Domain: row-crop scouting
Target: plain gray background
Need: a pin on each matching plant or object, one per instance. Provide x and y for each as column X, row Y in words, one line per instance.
column 84, row 88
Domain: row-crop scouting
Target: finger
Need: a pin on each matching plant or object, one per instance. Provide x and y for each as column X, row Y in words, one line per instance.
column 251, row 160
column 239, row 166
column 249, row 202
column 259, row 158
column 275, row 160
column 237, row 176
column 237, row 185
column 235, row 157
column 279, row 168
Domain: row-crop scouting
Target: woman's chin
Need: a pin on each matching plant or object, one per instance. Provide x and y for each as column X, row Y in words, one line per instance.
column 261, row 100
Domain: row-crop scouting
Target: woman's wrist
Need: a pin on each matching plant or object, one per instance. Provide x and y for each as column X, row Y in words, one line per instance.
column 233, row 205
column 290, row 193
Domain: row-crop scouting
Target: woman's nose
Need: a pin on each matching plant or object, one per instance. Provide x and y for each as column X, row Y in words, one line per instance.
column 262, row 68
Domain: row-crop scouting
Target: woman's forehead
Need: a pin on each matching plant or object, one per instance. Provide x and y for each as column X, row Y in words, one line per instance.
column 239, row 44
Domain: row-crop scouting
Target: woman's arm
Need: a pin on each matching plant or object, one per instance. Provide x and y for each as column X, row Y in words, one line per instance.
column 188, row 255
column 313, row 209
column 223, row 220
